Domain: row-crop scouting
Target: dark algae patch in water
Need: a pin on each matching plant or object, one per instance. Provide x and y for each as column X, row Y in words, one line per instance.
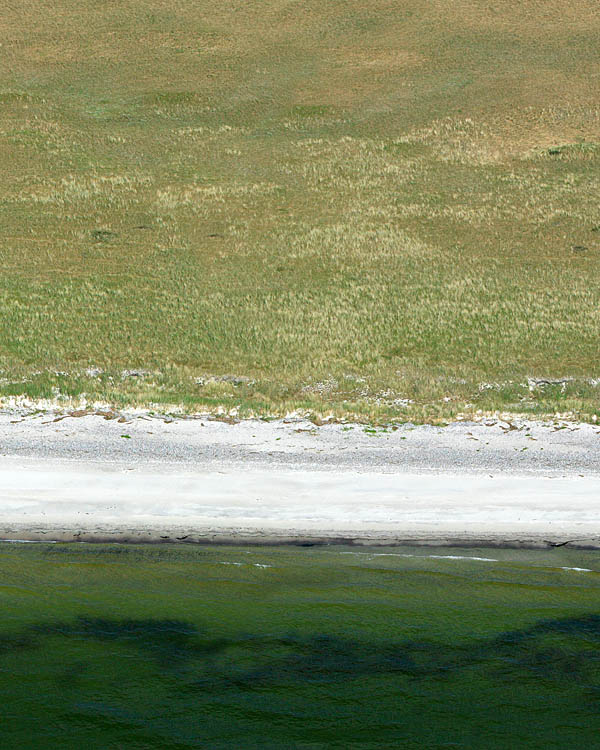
column 208, row 647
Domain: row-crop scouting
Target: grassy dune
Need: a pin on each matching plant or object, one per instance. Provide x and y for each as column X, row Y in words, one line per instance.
column 380, row 210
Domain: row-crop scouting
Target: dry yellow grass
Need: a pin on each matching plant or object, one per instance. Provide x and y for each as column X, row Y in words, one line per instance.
column 377, row 211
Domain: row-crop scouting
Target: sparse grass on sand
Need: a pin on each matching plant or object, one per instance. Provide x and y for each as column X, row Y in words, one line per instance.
column 375, row 210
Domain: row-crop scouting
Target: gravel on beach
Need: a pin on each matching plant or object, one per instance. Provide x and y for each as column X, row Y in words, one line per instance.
column 138, row 477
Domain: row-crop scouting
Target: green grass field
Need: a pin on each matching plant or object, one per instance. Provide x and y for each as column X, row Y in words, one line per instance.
column 373, row 210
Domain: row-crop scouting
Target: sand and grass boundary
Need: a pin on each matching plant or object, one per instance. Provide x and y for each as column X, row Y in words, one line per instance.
column 338, row 209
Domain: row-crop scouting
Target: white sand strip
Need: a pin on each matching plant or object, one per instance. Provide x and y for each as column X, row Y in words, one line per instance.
column 149, row 478
column 47, row 498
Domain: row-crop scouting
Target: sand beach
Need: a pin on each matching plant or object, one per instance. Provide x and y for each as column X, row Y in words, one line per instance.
column 137, row 477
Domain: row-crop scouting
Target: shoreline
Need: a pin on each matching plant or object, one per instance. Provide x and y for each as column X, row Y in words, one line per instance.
column 157, row 480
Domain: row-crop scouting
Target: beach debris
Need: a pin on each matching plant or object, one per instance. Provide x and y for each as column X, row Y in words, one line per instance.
column 104, row 413
column 134, row 374
column 534, row 383
column 322, row 387
column 400, row 401
column 235, row 380
column 76, row 413
column 490, row 386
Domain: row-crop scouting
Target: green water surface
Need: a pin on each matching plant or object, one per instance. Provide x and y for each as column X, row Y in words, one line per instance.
column 322, row 647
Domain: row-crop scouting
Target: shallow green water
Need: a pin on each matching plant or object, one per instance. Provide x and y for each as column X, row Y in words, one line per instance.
column 222, row 647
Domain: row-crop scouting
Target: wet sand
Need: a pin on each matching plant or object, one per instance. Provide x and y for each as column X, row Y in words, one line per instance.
column 150, row 479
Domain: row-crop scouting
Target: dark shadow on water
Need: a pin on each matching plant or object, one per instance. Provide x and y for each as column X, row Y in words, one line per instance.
column 554, row 649
column 168, row 641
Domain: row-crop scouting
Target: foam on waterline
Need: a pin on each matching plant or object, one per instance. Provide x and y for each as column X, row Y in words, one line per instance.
column 29, row 541
column 436, row 557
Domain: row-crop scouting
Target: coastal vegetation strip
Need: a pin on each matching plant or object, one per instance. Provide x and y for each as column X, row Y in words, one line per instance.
column 376, row 213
